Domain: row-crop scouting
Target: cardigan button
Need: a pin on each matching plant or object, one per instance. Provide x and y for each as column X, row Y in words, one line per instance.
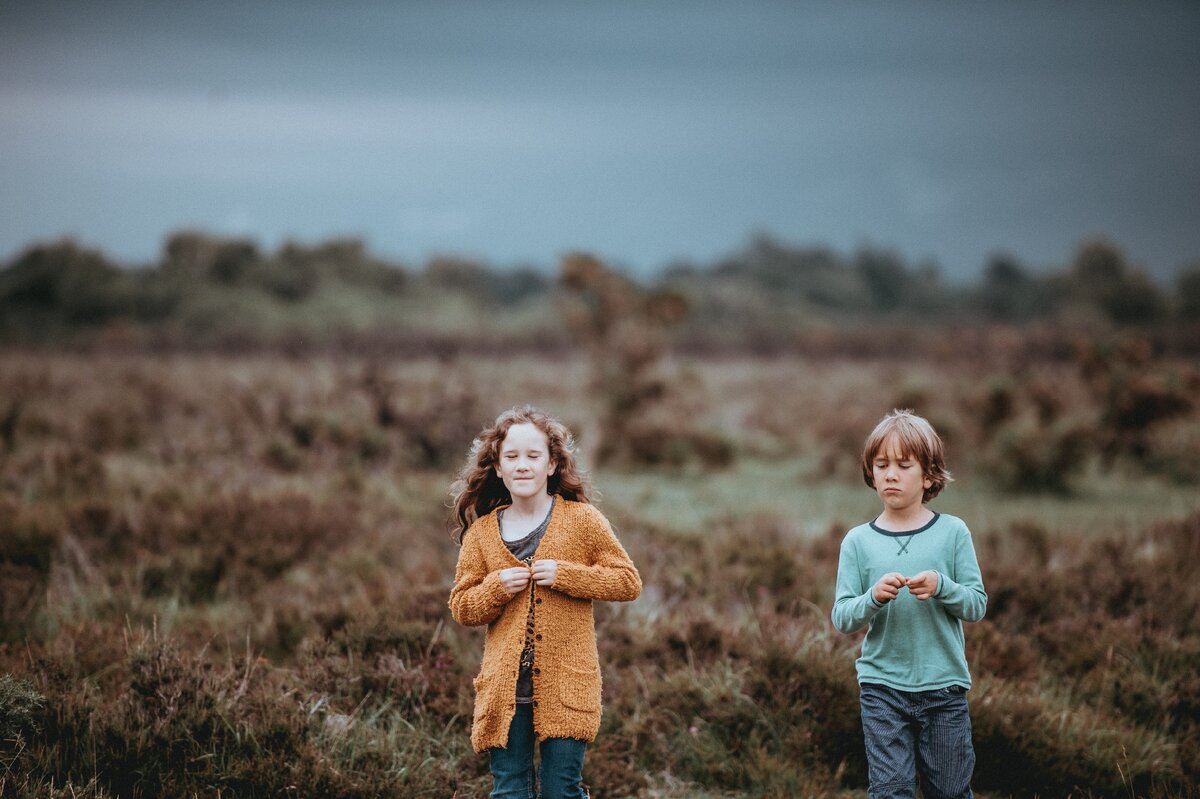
column 538, row 601
column 536, row 670
column 537, row 637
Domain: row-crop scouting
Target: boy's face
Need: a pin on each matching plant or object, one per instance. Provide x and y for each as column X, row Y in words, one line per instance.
column 899, row 479
column 525, row 465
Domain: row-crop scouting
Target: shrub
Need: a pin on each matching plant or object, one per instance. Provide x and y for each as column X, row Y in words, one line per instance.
column 232, row 544
column 1173, row 450
column 20, row 707
column 30, row 542
column 383, row 659
column 52, row 285
column 1027, row 456
column 1027, row 745
column 437, row 420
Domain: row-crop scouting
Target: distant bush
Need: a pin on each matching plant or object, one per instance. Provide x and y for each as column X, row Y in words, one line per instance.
column 1027, row 456
column 202, row 257
column 1134, row 393
column 54, row 287
column 647, row 416
column 1102, row 277
column 436, row 420
column 1009, row 293
column 1187, row 289
column 769, row 297
column 1173, row 450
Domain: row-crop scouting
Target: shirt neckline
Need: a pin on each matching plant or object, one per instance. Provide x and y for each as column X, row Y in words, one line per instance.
column 896, row 533
column 541, row 527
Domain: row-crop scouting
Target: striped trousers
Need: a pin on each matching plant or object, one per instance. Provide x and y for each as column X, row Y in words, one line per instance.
column 911, row 735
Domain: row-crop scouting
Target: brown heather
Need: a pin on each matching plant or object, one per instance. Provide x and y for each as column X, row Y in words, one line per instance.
column 227, row 576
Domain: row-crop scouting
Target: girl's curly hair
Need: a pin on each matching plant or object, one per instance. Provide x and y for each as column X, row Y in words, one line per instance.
column 479, row 489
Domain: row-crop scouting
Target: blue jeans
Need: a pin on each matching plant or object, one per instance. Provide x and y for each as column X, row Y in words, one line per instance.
column 926, row 732
column 561, row 772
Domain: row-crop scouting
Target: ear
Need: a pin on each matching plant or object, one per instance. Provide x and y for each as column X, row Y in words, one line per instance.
column 928, row 483
column 553, row 467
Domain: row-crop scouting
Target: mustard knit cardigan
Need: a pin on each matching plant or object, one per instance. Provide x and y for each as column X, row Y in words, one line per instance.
column 592, row 565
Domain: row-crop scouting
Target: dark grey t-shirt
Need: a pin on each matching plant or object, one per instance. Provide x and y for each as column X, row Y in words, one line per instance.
column 523, row 551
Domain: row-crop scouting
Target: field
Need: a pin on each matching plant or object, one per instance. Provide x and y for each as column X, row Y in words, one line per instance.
column 226, row 575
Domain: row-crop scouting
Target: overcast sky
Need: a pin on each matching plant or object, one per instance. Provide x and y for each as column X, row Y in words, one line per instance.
column 647, row 132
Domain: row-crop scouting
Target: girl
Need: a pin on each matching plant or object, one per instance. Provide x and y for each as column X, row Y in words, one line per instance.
column 534, row 554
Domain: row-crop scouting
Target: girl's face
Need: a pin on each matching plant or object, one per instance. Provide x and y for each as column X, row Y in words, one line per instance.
column 525, row 464
column 899, row 479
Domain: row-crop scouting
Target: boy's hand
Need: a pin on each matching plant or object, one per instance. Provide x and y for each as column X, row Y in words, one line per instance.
column 545, row 572
column 888, row 586
column 924, row 585
column 514, row 579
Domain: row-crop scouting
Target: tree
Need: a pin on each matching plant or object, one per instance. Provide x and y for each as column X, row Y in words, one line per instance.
column 63, row 283
column 1103, row 277
column 1187, row 289
column 199, row 256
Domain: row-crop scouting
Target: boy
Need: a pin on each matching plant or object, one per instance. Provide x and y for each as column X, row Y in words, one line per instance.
column 912, row 577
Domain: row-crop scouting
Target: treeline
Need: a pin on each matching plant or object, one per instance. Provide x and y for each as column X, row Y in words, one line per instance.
column 1098, row 284
column 206, row 289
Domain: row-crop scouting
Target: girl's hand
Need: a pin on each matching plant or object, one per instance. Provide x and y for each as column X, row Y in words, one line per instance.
column 888, row 587
column 545, row 572
column 924, row 585
column 514, row 579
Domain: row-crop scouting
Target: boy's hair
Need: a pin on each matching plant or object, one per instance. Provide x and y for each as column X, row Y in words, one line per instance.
column 479, row 490
column 918, row 440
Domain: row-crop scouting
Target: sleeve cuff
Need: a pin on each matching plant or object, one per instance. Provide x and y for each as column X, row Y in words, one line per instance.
column 495, row 590
column 563, row 581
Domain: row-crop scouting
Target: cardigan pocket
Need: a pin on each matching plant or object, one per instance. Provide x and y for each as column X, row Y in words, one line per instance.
column 481, row 696
column 579, row 689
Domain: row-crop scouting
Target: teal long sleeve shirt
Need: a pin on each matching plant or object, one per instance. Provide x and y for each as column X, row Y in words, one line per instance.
column 911, row 645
